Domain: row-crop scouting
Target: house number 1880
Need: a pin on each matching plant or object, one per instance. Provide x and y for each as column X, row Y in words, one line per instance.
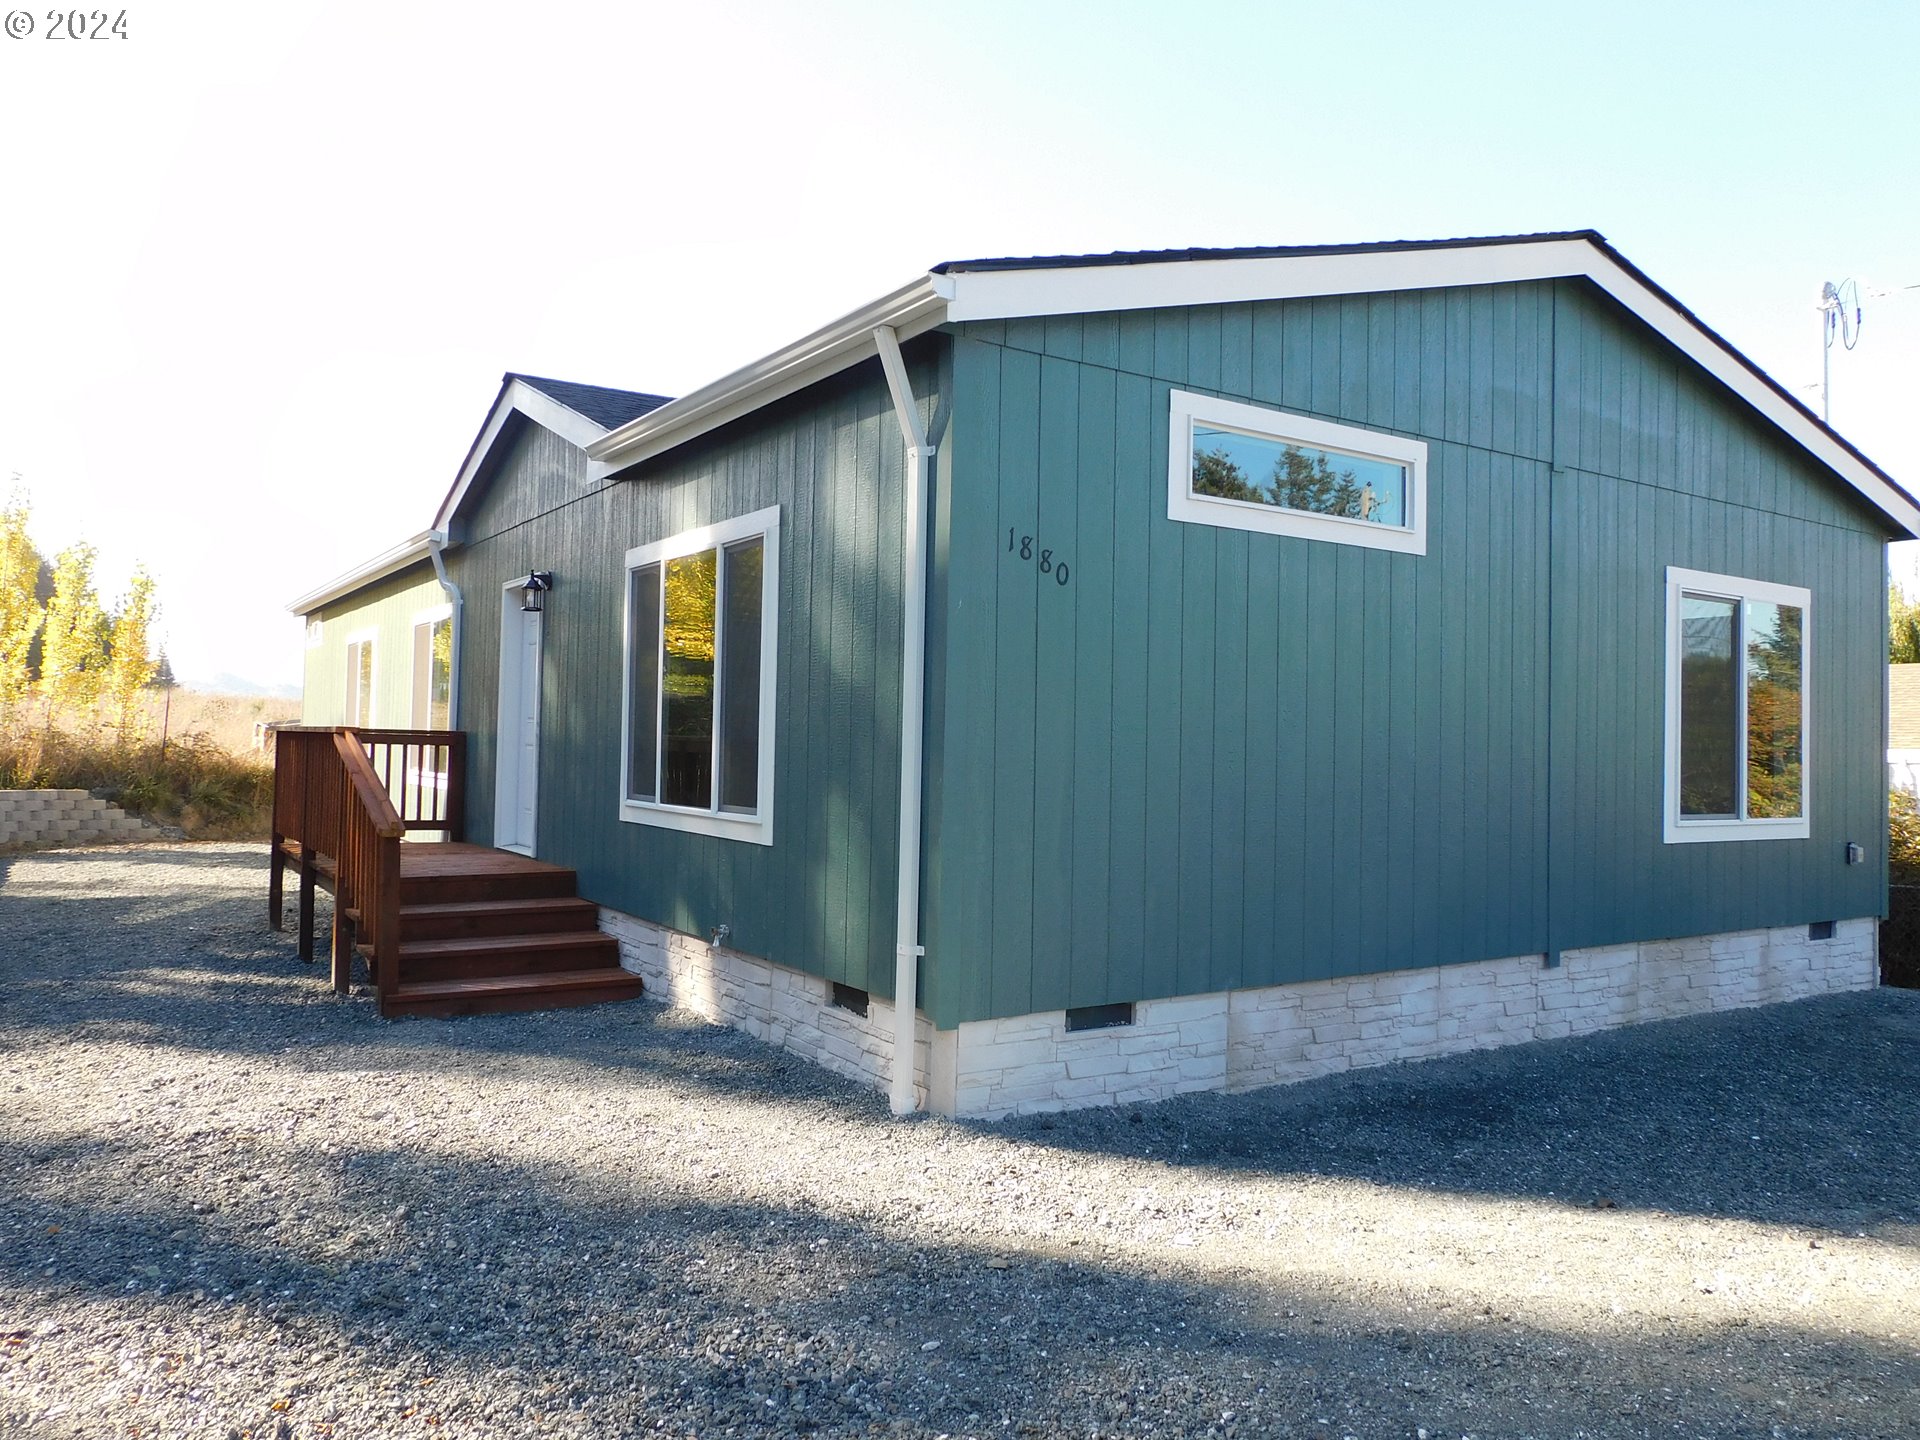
column 1022, row 545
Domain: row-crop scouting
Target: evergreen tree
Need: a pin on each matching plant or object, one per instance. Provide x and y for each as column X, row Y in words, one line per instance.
column 1214, row 473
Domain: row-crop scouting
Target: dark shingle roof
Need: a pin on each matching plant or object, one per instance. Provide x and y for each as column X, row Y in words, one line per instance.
column 610, row 408
column 1253, row 252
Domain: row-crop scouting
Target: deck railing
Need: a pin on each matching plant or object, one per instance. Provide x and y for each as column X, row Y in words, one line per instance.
column 326, row 781
column 366, row 881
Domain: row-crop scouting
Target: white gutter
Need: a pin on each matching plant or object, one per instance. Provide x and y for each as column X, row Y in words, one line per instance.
column 913, row 679
column 911, row 310
column 387, row 562
column 437, row 542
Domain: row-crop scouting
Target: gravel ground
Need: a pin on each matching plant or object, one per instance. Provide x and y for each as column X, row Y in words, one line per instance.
column 234, row 1205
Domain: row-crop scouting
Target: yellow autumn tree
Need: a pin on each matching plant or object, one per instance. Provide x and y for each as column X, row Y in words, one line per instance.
column 130, row 663
column 73, row 653
column 21, row 613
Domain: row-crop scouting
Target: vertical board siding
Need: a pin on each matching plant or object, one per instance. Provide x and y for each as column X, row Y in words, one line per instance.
column 821, row 897
column 1220, row 759
column 386, row 608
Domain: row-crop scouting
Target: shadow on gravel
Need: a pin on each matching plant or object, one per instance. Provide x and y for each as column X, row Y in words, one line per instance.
column 1798, row 1115
column 1794, row 1115
column 581, row 1292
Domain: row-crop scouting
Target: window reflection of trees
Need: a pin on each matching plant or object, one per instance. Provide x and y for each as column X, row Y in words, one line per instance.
column 1302, row 479
column 1711, row 759
column 687, row 764
column 1774, row 658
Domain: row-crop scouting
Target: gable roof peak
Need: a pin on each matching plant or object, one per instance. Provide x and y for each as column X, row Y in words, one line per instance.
column 605, row 406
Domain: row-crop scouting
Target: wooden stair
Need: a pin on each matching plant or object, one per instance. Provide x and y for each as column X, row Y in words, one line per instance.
column 485, row 930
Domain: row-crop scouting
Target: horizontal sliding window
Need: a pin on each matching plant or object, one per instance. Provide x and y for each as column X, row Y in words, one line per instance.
column 700, row 653
column 1250, row 468
column 1736, row 708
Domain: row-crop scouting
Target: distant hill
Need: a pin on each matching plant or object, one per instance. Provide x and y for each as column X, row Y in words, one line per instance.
column 227, row 683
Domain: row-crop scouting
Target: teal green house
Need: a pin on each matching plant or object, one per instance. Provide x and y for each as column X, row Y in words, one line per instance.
column 1087, row 679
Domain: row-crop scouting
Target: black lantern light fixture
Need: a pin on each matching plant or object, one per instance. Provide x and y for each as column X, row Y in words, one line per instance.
column 537, row 583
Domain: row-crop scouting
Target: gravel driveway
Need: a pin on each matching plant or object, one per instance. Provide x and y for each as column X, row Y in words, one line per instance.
column 234, row 1205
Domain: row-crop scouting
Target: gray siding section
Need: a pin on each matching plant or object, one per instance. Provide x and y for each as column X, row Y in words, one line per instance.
column 1216, row 759
column 821, row 898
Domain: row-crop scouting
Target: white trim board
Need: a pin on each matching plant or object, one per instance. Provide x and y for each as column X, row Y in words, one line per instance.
column 507, row 759
column 1183, row 504
column 1015, row 292
column 756, row 828
column 1674, row 829
column 517, row 397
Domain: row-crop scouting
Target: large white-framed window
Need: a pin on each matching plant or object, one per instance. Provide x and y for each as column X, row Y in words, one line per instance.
column 359, row 678
column 1247, row 467
column 702, row 627
column 1737, row 663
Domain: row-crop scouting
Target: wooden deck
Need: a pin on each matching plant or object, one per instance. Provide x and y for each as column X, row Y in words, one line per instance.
column 446, row 928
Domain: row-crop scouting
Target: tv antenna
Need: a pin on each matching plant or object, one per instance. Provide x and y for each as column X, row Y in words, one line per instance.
column 1840, row 316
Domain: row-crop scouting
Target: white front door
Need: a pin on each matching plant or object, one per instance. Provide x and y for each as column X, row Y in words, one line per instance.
column 517, row 768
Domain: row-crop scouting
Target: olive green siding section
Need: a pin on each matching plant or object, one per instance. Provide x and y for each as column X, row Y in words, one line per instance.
column 1215, row 759
column 821, row 897
column 387, row 609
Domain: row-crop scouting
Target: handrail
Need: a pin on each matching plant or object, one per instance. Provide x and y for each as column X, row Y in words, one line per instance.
column 367, row 876
column 343, row 797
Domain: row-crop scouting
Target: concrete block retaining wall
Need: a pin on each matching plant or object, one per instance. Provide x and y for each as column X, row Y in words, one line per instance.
column 65, row 817
column 1245, row 1039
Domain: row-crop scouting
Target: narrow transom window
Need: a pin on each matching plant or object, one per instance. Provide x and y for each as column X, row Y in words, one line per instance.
column 1246, row 467
column 1736, row 708
column 700, row 642
column 360, row 680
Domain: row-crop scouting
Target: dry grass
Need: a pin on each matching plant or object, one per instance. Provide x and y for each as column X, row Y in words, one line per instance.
column 189, row 760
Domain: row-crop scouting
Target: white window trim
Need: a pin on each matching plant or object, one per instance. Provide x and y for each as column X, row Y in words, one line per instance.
column 369, row 637
column 1682, row 831
column 1182, row 504
column 756, row 828
column 432, row 615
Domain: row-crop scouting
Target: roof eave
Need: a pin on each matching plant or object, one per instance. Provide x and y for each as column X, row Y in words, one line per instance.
column 911, row 310
column 387, row 562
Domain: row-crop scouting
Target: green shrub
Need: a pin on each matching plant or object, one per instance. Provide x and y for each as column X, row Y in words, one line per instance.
column 1903, row 837
column 193, row 782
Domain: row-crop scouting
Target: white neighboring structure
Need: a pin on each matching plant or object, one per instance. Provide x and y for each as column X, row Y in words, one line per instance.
column 1903, row 728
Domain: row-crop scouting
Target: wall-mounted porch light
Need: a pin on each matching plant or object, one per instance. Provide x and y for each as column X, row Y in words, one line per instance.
column 537, row 583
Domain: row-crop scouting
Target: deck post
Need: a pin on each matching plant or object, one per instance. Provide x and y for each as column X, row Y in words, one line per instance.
column 342, row 947
column 307, row 876
column 276, row 879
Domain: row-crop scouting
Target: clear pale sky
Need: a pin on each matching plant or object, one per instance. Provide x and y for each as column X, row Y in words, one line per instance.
column 261, row 266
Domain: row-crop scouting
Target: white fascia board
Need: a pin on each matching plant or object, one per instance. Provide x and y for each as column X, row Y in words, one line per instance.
column 1011, row 294
column 1072, row 290
column 911, row 310
column 570, row 425
column 387, row 562
column 1711, row 355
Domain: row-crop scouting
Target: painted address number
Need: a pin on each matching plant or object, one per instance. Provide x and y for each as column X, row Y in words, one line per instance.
column 1023, row 546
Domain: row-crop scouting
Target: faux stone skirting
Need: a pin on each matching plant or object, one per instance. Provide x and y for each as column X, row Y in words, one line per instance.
column 65, row 817
column 1245, row 1039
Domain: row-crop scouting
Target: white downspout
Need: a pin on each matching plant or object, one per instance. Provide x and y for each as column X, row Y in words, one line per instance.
column 436, row 540
column 913, row 678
